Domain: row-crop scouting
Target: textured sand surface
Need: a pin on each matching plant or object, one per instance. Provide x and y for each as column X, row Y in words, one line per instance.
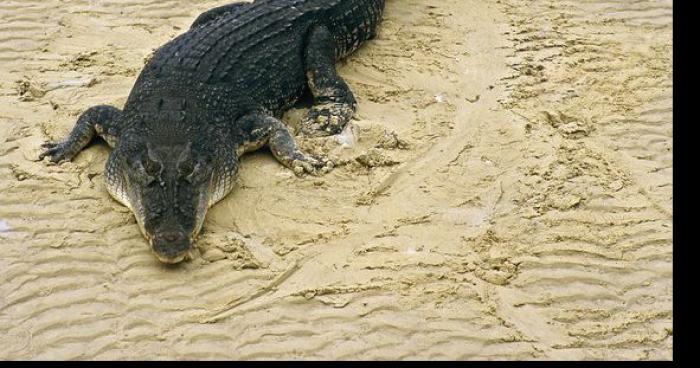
column 504, row 193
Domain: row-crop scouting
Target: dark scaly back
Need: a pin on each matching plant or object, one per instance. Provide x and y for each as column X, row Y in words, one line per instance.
column 251, row 59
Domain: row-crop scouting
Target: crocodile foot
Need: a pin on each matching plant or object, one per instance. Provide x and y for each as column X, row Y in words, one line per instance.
column 308, row 164
column 56, row 151
column 326, row 119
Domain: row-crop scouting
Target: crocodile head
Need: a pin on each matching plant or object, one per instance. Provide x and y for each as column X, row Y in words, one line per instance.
column 168, row 189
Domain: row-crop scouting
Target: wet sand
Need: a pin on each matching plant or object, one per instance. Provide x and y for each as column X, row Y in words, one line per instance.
column 505, row 192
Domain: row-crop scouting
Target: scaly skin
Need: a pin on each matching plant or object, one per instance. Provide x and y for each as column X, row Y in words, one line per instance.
column 214, row 93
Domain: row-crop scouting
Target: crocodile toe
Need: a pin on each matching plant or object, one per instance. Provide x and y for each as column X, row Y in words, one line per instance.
column 56, row 151
column 327, row 119
column 308, row 164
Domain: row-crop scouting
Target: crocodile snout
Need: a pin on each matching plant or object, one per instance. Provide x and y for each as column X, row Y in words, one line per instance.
column 171, row 246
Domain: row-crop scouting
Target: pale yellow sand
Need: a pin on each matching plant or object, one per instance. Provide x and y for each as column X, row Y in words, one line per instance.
column 506, row 194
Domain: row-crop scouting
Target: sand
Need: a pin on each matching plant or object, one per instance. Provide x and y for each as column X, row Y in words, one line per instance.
column 505, row 192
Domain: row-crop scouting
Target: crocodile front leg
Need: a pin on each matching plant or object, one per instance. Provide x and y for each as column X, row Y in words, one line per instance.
column 334, row 103
column 102, row 120
column 264, row 129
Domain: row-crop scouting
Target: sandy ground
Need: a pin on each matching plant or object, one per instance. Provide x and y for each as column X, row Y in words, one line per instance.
column 504, row 193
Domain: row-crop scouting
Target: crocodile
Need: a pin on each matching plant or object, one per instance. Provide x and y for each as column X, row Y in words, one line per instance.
column 214, row 93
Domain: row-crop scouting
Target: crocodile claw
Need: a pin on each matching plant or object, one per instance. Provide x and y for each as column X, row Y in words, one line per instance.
column 327, row 119
column 308, row 164
column 56, row 151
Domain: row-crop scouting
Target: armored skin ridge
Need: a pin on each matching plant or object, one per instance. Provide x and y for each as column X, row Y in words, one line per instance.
column 214, row 93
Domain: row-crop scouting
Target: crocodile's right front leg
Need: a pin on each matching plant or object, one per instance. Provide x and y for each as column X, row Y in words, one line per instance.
column 102, row 120
column 264, row 129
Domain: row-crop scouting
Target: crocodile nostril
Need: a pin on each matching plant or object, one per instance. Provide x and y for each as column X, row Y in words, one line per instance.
column 170, row 246
column 171, row 237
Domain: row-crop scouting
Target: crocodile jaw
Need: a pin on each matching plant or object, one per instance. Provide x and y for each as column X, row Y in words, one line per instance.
column 169, row 260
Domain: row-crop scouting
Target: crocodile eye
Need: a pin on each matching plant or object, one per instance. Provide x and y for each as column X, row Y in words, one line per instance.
column 198, row 175
column 185, row 167
column 152, row 168
column 151, row 162
column 140, row 173
column 185, row 162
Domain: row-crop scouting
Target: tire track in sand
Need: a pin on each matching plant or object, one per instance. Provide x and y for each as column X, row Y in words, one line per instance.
column 595, row 262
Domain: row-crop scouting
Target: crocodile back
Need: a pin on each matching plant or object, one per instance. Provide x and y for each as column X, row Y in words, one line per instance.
column 249, row 59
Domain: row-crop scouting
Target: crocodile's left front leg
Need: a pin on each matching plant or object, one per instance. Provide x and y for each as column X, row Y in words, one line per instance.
column 334, row 103
column 102, row 120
